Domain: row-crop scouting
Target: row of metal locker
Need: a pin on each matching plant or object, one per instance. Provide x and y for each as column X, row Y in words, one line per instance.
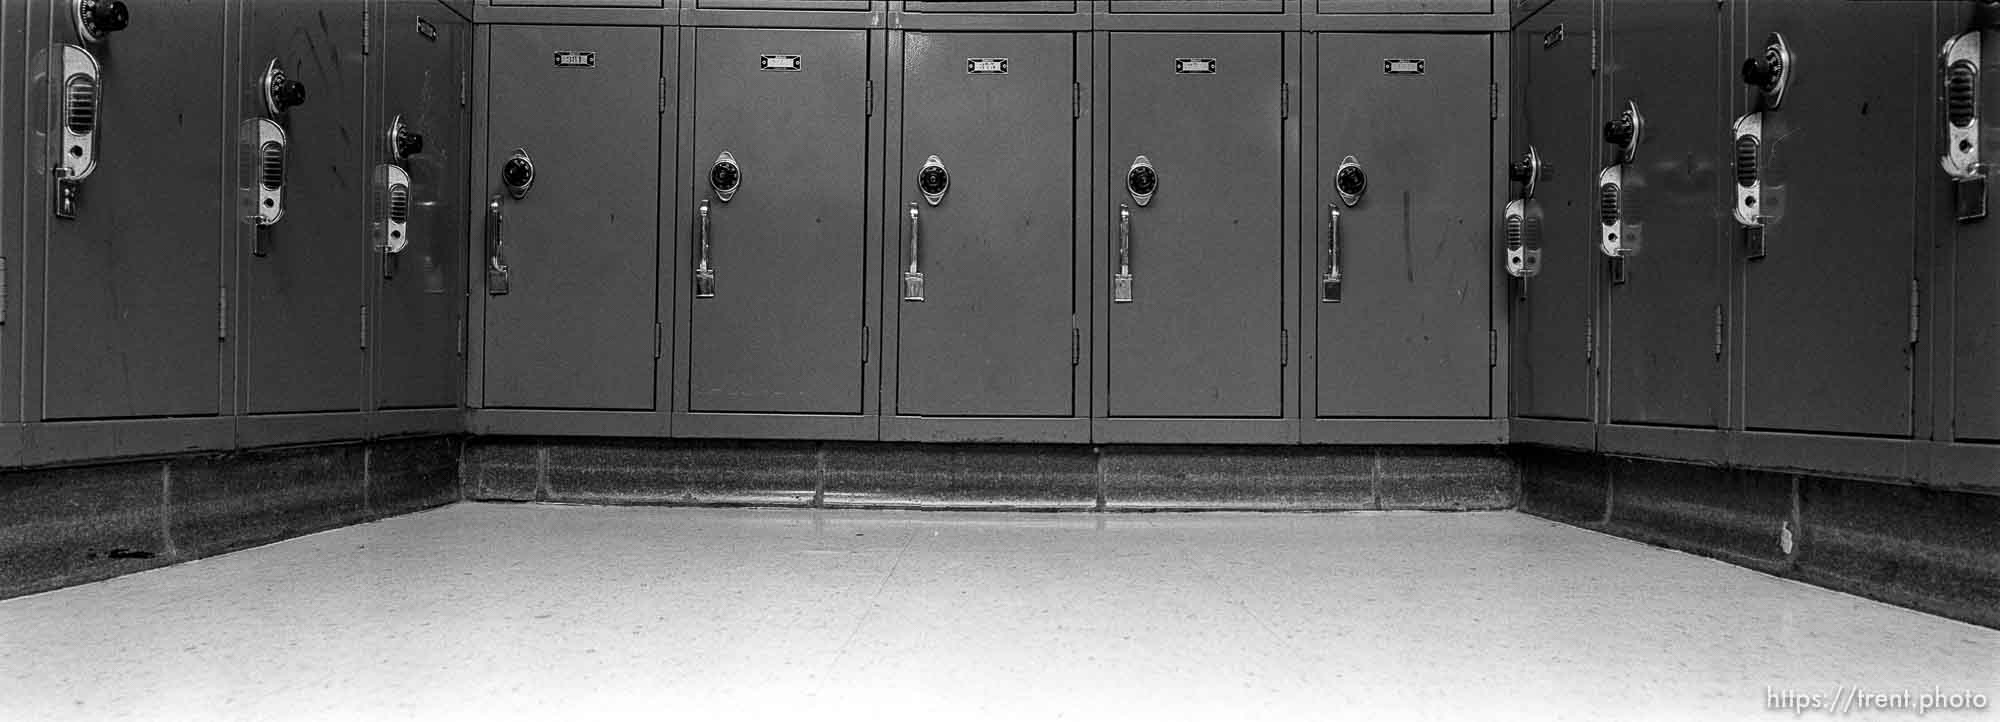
column 220, row 207
column 1761, row 215
column 992, row 234
column 1051, row 7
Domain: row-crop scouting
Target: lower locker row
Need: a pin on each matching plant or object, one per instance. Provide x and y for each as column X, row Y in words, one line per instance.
column 986, row 238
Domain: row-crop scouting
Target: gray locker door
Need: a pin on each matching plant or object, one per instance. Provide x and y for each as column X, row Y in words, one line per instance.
column 782, row 332
column 302, row 297
column 1552, row 74
column 421, row 296
column 990, row 6
column 1827, row 326
column 1201, row 335
column 1660, row 325
column 1409, row 335
column 577, row 329
column 132, row 281
column 1976, row 358
column 992, row 336
column 1423, row 7
column 817, row 5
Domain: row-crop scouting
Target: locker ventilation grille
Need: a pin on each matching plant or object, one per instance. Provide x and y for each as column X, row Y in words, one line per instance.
column 399, row 203
column 1746, row 161
column 271, row 171
column 1607, row 203
column 80, row 113
column 1514, row 233
column 1961, row 93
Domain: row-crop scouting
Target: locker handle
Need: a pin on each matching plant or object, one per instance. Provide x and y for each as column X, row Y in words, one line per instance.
column 704, row 274
column 913, row 279
column 1329, row 285
column 497, row 273
column 1121, row 283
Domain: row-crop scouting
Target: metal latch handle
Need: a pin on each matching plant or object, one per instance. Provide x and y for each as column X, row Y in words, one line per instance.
column 1329, row 285
column 704, row 274
column 1121, row 283
column 497, row 273
column 913, row 278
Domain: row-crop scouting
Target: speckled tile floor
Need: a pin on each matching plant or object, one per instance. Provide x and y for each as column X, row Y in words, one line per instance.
column 499, row 612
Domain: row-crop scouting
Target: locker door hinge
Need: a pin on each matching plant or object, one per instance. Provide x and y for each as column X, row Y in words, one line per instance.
column 1075, row 346
column 659, row 339
column 1492, row 100
column 1075, row 100
column 459, row 344
column 364, row 29
column 1492, row 348
column 3, row 290
column 864, row 344
column 1720, row 324
column 464, row 90
column 1589, row 342
column 1284, row 100
column 1593, row 53
column 868, row 98
column 1916, row 302
column 364, row 325
column 222, row 313
column 1284, row 347
column 663, row 95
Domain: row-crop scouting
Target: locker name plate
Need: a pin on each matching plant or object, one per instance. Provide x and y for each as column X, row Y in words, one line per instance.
column 786, row 63
column 426, row 29
column 1202, row 66
column 986, row 66
column 1403, row 66
column 576, row 59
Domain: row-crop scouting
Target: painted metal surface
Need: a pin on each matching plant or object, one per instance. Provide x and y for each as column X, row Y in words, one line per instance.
column 1973, row 260
column 420, row 295
column 1197, row 6
column 784, row 328
column 133, row 284
column 1201, row 334
column 304, row 282
column 990, row 6
column 577, row 328
column 813, row 5
column 1552, row 319
column 1408, row 336
column 1417, row 7
column 584, row 3
column 1827, row 315
column 993, row 335
column 1664, row 364
column 13, row 76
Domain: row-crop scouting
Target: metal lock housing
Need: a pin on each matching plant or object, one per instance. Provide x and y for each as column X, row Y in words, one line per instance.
column 1523, row 236
column 1960, row 59
column 392, row 186
column 83, row 92
column 725, row 177
column 1626, row 131
column 1142, row 180
column 97, row 19
column 280, row 93
column 1615, row 238
column 1528, row 171
column 403, row 141
column 1772, row 71
column 1748, row 142
column 933, row 180
column 1350, row 181
column 518, row 174
column 267, row 143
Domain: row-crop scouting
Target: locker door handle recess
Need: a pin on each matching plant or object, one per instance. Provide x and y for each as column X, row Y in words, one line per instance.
column 1615, row 238
column 497, row 273
column 1524, row 245
column 82, row 95
column 267, row 144
column 97, row 19
column 913, row 278
column 1121, row 282
column 392, row 188
column 1961, row 91
column 704, row 274
column 1748, row 141
column 1329, row 284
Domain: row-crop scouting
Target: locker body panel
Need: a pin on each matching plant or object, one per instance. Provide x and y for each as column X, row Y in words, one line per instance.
column 816, row 5
column 302, row 296
column 990, row 6
column 1415, row 7
column 584, row 3
column 577, row 329
column 420, row 291
column 1201, row 337
column 133, row 296
column 1197, row 6
column 1827, row 310
column 783, row 331
column 1409, row 335
column 1553, row 310
column 993, row 335
column 1973, row 260
column 1660, row 325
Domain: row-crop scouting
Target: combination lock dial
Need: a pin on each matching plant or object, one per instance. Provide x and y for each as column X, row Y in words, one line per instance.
column 1350, row 181
column 725, row 177
column 1141, row 180
column 1626, row 131
column 518, row 174
column 280, row 93
column 403, row 141
column 96, row 19
column 933, row 180
column 1771, row 71
column 1527, row 171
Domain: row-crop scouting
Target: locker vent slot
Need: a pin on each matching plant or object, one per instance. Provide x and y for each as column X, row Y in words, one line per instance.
column 271, row 168
column 1607, row 203
column 80, row 113
column 1515, row 233
column 399, row 203
column 1961, row 93
column 1746, row 161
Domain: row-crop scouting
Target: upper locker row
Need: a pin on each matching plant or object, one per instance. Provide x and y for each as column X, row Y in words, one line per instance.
column 1787, row 169
column 942, row 235
column 216, row 196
